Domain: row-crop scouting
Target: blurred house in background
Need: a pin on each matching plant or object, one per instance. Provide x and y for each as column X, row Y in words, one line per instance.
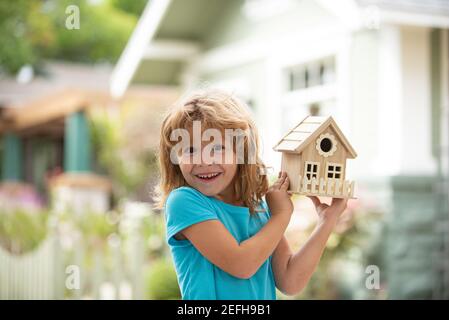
column 45, row 129
column 379, row 67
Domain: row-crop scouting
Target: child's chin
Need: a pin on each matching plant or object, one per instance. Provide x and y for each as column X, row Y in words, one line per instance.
column 210, row 192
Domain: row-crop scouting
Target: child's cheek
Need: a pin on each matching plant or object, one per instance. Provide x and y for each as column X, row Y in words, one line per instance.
column 231, row 170
column 229, row 158
column 185, row 168
column 185, row 159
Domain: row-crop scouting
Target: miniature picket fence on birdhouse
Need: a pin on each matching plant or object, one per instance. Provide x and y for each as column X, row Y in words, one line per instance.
column 330, row 187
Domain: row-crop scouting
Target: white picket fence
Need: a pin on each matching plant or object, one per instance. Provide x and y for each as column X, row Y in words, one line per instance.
column 42, row 274
column 35, row 275
column 329, row 187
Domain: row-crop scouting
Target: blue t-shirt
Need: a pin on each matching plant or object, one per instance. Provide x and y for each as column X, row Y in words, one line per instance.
column 198, row 278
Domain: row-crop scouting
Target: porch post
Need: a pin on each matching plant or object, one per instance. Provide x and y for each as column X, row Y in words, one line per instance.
column 77, row 151
column 12, row 157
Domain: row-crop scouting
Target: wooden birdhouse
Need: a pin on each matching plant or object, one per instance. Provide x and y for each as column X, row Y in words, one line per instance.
column 314, row 157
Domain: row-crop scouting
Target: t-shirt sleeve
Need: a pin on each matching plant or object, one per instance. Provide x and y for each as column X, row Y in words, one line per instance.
column 183, row 208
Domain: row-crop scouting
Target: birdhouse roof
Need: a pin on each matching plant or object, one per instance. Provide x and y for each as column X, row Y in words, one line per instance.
column 306, row 131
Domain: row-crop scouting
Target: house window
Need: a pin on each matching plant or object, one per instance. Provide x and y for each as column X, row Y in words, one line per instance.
column 334, row 171
column 311, row 169
column 311, row 74
column 309, row 87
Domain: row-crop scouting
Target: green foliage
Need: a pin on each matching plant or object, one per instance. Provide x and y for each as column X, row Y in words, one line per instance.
column 340, row 272
column 131, row 6
column 153, row 230
column 25, row 31
column 36, row 30
column 102, row 35
column 94, row 226
column 161, row 281
column 23, row 230
column 127, row 171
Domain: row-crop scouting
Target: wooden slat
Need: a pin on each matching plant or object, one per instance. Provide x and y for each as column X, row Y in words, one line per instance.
column 307, row 127
column 305, row 184
column 322, row 186
column 313, row 188
column 315, row 119
column 287, row 145
column 299, row 136
column 345, row 190
column 351, row 192
column 337, row 189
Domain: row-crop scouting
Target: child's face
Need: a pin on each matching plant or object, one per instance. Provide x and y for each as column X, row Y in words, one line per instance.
column 213, row 174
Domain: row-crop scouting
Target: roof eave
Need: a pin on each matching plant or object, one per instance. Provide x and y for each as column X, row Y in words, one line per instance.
column 134, row 51
column 309, row 139
column 349, row 148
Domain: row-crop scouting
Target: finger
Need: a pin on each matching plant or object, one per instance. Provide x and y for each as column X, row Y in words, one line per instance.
column 290, row 193
column 316, row 201
column 285, row 184
column 322, row 207
column 279, row 178
column 339, row 202
column 279, row 182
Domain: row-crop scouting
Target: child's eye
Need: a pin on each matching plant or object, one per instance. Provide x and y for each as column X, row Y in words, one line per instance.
column 189, row 150
column 218, row 148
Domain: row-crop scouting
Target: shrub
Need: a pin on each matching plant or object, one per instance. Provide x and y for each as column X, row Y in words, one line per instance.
column 22, row 231
column 23, row 220
column 161, row 281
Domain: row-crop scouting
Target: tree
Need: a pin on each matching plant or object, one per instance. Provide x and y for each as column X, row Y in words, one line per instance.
column 134, row 7
column 104, row 31
column 36, row 30
column 26, row 32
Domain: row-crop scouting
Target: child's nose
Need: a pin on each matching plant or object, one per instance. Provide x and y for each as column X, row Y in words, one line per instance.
column 208, row 157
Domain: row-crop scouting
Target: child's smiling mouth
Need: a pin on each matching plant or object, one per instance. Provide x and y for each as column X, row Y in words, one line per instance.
column 208, row 177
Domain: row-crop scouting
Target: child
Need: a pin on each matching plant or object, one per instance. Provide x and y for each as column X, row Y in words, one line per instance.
column 226, row 241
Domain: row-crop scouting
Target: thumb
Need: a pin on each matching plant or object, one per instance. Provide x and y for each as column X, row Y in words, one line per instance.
column 316, row 201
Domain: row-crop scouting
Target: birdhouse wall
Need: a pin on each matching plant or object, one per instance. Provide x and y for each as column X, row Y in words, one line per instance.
column 290, row 164
column 311, row 153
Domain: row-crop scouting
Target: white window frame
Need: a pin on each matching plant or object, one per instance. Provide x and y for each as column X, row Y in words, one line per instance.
column 334, row 171
column 312, row 173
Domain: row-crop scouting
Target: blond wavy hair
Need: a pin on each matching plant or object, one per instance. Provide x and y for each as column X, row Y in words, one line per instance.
column 220, row 110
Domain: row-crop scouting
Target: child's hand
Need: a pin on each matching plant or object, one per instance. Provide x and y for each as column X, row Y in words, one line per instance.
column 278, row 198
column 330, row 213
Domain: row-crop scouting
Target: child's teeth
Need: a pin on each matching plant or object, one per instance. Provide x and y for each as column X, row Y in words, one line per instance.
column 208, row 175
